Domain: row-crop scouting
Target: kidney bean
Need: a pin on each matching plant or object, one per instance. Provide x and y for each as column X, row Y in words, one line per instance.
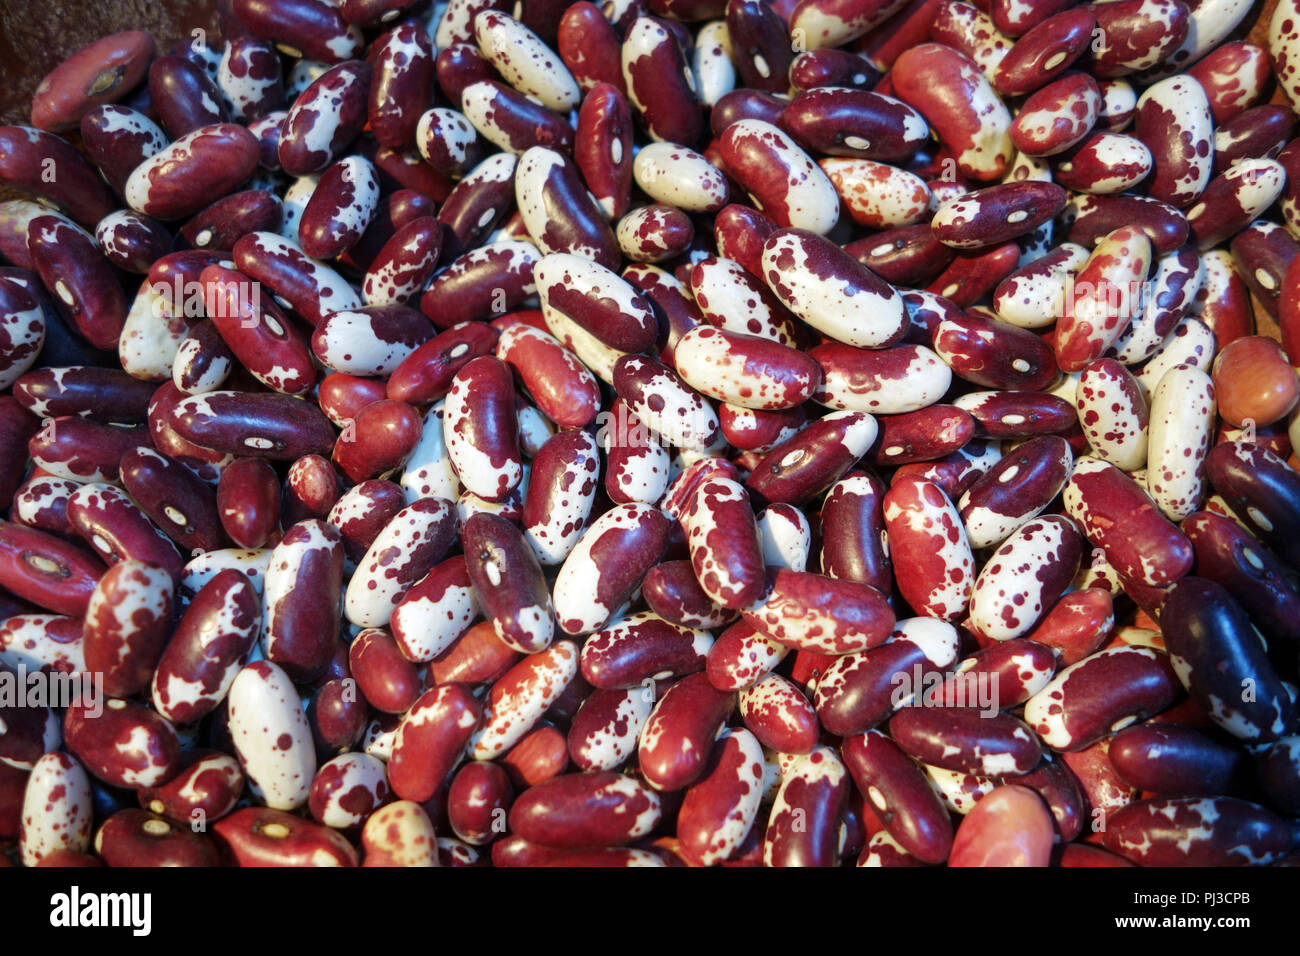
column 1015, row 490
column 206, row 787
column 1173, row 290
column 1182, row 414
column 341, row 207
column 815, row 69
column 127, row 625
column 208, row 648
column 274, row 426
column 431, row 739
column 1089, row 219
column 1059, row 116
column 403, row 61
column 721, row 808
column 80, row 280
column 100, row 72
column 248, row 502
column 521, row 696
column 1171, row 113
column 1220, row 660
column 779, row 715
column 325, row 117
column 995, row 214
column 26, row 154
column 389, row 682
column 969, row 29
column 124, row 744
column 139, row 838
column 180, row 179
column 271, row 736
column 923, row 435
column 899, row 794
column 512, row 122
column 1198, row 831
column 593, row 809
column 1005, row 602
column 184, row 96
column 993, row 746
column 876, row 195
column 1105, row 163
column 1228, row 555
column 838, row 121
column 404, row 551
column 401, row 834
column 131, row 241
column 1276, row 771
column 994, row 354
column 1104, row 692
column 1010, row 826
column 56, row 809
column 264, row 836
column 607, row 564
column 816, row 784
column 312, row 289
column 1259, row 489
column 1176, row 761
column 960, row 105
column 201, row 570
column 858, row 691
column 303, row 585
column 1259, row 132
column 508, row 583
column 779, row 176
column 525, row 61
column 589, row 47
column 1254, row 380
column 480, row 428
column 347, row 790
column 1234, row 76
column 606, row 728
column 929, row 547
column 677, row 738
column 383, row 435
column 249, row 78
column 1018, row 414
column 729, row 297
column 46, row 570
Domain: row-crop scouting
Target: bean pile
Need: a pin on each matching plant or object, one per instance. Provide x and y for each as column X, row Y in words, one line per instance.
column 657, row 433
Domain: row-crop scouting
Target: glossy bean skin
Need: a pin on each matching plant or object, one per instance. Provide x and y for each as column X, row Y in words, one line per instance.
column 508, row 583
column 853, row 530
column 301, row 592
column 124, row 745
column 1225, row 832
column 818, row 785
column 387, row 680
column 520, row 697
column 1088, row 219
column 994, row 354
column 264, row 836
column 857, row 692
column 213, row 639
column 1049, row 545
column 404, row 550
column 963, row 108
column 46, row 570
column 595, row 809
column 813, row 459
column 127, row 622
column 1260, row 490
column 480, row 428
column 838, row 121
column 182, row 178
column 312, row 289
column 676, row 739
column 999, row 745
column 1176, row 761
column 431, row 739
column 1102, row 693
column 1010, row 826
column 206, row 787
column 809, row 611
column 719, row 810
column 26, row 152
column 1213, row 648
column 325, row 118
column 248, row 501
column 56, row 809
column 82, row 282
column 929, row 548
column 1098, row 494
column 1229, row 555
column 278, row 427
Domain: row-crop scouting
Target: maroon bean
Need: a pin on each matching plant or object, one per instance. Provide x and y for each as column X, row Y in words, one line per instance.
column 387, row 680
column 1261, row 490
column 1089, row 219
column 313, row 29
column 1194, row 831
column 1259, row 132
column 845, row 122
column 1222, row 663
column 184, row 96
column 659, row 83
column 206, row 787
column 400, row 90
column 81, row 450
column 965, row 740
column 1176, row 761
column 127, row 625
column 101, row 72
column 1262, row 253
column 760, row 45
column 325, row 118
column 131, row 241
column 905, row 255
column 817, row 456
column 973, row 274
column 382, row 437
column 311, row 289
column 260, row 836
column 180, row 179
column 125, row 745
column 274, row 426
column 118, row 139
column 139, row 838
column 823, row 67
column 363, row 512
column 248, row 502
column 901, row 796
column 116, row 529
column 585, row 810
column 995, row 354
column 431, row 739
column 210, row 645
column 853, row 531
column 25, row 156
column 804, row 827
column 924, row 435
column 105, row 395
column 511, row 121
column 677, row 738
column 227, row 220
column 508, row 583
column 80, row 280
column 1015, row 490
column 478, row 801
